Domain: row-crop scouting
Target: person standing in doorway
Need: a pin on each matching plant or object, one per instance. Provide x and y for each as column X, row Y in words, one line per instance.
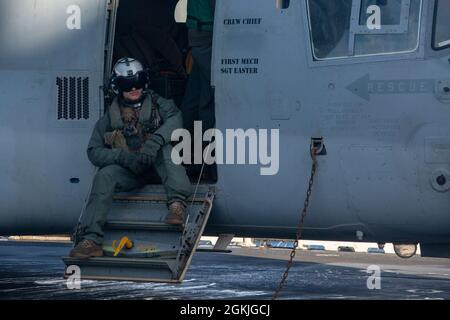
column 198, row 102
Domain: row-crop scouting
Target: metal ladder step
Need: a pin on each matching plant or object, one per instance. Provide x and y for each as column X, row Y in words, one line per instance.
column 160, row 252
column 125, row 269
column 149, row 226
column 118, row 262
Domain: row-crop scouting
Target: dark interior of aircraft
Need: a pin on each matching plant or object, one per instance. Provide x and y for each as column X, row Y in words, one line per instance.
column 147, row 31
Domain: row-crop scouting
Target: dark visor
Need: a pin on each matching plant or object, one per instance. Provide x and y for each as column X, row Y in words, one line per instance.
column 126, row 84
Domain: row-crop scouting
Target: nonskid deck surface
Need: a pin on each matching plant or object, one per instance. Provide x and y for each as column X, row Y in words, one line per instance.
column 34, row 271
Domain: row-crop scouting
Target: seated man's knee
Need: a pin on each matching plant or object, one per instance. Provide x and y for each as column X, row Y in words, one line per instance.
column 180, row 182
column 108, row 172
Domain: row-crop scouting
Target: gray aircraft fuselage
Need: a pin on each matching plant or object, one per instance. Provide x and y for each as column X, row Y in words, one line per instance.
column 379, row 99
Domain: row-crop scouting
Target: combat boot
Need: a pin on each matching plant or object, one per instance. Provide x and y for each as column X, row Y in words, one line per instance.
column 86, row 249
column 176, row 213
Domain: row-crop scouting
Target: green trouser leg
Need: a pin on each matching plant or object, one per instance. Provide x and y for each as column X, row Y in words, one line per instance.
column 107, row 181
column 198, row 102
column 202, row 59
column 114, row 178
column 173, row 177
column 191, row 100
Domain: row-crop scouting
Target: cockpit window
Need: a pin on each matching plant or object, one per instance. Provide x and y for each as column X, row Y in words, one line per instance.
column 330, row 26
column 441, row 38
column 351, row 28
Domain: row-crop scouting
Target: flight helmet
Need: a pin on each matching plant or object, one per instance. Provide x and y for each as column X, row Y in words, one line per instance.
column 129, row 73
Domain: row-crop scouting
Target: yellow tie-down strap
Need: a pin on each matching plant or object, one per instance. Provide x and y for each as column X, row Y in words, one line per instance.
column 136, row 250
column 124, row 242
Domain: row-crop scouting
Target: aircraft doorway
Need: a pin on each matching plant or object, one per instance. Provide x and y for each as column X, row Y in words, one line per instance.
column 148, row 32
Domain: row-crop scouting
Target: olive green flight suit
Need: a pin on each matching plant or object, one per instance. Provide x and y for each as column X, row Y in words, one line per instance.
column 113, row 177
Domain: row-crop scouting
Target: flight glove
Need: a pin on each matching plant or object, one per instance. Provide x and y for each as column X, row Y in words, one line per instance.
column 145, row 160
column 116, row 140
column 152, row 145
column 130, row 161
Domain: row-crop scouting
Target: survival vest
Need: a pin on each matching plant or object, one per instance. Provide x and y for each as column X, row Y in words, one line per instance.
column 200, row 15
column 149, row 121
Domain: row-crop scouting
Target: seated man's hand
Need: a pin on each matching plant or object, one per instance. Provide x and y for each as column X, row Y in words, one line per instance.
column 152, row 145
column 116, row 140
column 137, row 167
column 131, row 161
column 145, row 159
column 109, row 138
column 120, row 142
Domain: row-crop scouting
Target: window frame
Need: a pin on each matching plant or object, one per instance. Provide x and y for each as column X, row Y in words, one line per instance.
column 433, row 37
column 417, row 51
column 357, row 29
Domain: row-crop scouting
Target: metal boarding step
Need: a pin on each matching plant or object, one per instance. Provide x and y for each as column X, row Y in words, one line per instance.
column 160, row 252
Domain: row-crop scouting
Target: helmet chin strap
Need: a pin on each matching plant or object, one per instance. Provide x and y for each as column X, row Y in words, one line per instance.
column 135, row 103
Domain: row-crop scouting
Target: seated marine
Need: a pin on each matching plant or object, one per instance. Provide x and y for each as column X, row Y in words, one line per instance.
column 131, row 138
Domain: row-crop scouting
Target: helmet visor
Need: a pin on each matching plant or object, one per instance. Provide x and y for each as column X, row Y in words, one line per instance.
column 127, row 84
